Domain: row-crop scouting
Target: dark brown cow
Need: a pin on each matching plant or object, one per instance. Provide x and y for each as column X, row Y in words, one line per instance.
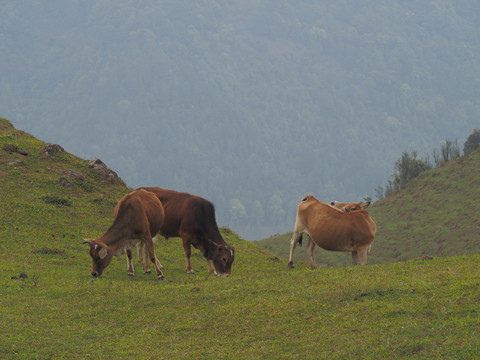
column 333, row 229
column 138, row 216
column 193, row 219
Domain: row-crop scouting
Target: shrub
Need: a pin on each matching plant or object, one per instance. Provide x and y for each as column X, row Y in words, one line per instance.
column 472, row 143
column 406, row 168
column 55, row 200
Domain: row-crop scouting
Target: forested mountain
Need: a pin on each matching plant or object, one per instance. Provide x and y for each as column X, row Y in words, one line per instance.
column 251, row 104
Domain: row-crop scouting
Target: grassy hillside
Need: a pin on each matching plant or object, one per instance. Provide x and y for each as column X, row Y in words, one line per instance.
column 435, row 215
column 51, row 308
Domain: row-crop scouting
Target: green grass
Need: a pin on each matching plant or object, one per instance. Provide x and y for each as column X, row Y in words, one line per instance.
column 416, row 309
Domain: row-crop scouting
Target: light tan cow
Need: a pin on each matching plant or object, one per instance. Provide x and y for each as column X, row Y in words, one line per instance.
column 138, row 216
column 350, row 206
column 332, row 229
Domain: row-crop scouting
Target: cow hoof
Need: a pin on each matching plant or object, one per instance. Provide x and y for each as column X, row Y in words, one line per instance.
column 148, row 272
column 190, row 272
column 131, row 274
column 161, row 277
column 290, row 265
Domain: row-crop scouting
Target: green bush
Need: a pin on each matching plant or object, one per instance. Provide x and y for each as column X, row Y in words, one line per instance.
column 55, row 200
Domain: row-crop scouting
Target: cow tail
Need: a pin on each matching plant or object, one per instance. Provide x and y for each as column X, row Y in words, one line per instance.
column 301, row 239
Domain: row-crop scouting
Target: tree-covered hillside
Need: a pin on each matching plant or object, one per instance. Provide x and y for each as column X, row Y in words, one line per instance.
column 251, row 104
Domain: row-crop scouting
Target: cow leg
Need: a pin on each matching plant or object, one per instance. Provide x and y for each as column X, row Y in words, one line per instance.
column 296, row 237
column 154, row 239
column 130, row 270
column 153, row 258
column 354, row 258
column 188, row 252
column 141, row 251
column 211, row 269
column 362, row 255
column 310, row 248
column 146, row 264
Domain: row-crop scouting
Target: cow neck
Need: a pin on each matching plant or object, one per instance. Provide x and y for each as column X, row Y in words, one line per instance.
column 216, row 237
column 115, row 233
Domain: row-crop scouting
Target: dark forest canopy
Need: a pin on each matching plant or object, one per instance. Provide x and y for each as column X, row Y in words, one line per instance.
column 251, row 104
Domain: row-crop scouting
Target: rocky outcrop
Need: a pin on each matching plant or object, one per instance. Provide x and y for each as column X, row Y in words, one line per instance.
column 107, row 174
column 52, row 149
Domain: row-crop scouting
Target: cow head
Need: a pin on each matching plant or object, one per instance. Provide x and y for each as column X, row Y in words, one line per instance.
column 101, row 256
column 347, row 207
column 222, row 258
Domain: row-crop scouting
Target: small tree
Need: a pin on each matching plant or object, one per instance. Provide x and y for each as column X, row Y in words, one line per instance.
column 450, row 150
column 406, row 168
column 472, row 143
column 437, row 158
column 379, row 192
column 409, row 167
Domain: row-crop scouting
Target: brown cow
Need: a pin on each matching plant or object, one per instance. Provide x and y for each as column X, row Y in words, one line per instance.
column 193, row 219
column 332, row 229
column 350, row 206
column 138, row 216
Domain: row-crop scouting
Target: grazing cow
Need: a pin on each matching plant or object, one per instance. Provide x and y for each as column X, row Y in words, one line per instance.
column 193, row 219
column 332, row 229
column 138, row 216
column 350, row 206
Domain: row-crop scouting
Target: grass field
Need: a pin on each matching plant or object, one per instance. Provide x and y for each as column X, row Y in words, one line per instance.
column 51, row 308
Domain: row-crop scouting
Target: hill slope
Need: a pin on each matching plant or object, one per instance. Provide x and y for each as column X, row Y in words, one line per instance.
column 436, row 214
column 51, row 308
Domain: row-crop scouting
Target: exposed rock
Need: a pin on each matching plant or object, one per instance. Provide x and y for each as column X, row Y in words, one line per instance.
column 64, row 182
column 10, row 148
column 74, row 175
column 15, row 162
column 51, row 149
column 106, row 173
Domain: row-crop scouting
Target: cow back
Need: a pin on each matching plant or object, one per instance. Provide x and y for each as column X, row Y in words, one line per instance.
column 137, row 213
column 187, row 213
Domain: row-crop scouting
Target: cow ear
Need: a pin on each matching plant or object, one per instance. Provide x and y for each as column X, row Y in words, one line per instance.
column 103, row 253
column 365, row 205
column 214, row 244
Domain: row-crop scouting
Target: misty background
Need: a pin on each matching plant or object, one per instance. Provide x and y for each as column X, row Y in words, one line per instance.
column 250, row 104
